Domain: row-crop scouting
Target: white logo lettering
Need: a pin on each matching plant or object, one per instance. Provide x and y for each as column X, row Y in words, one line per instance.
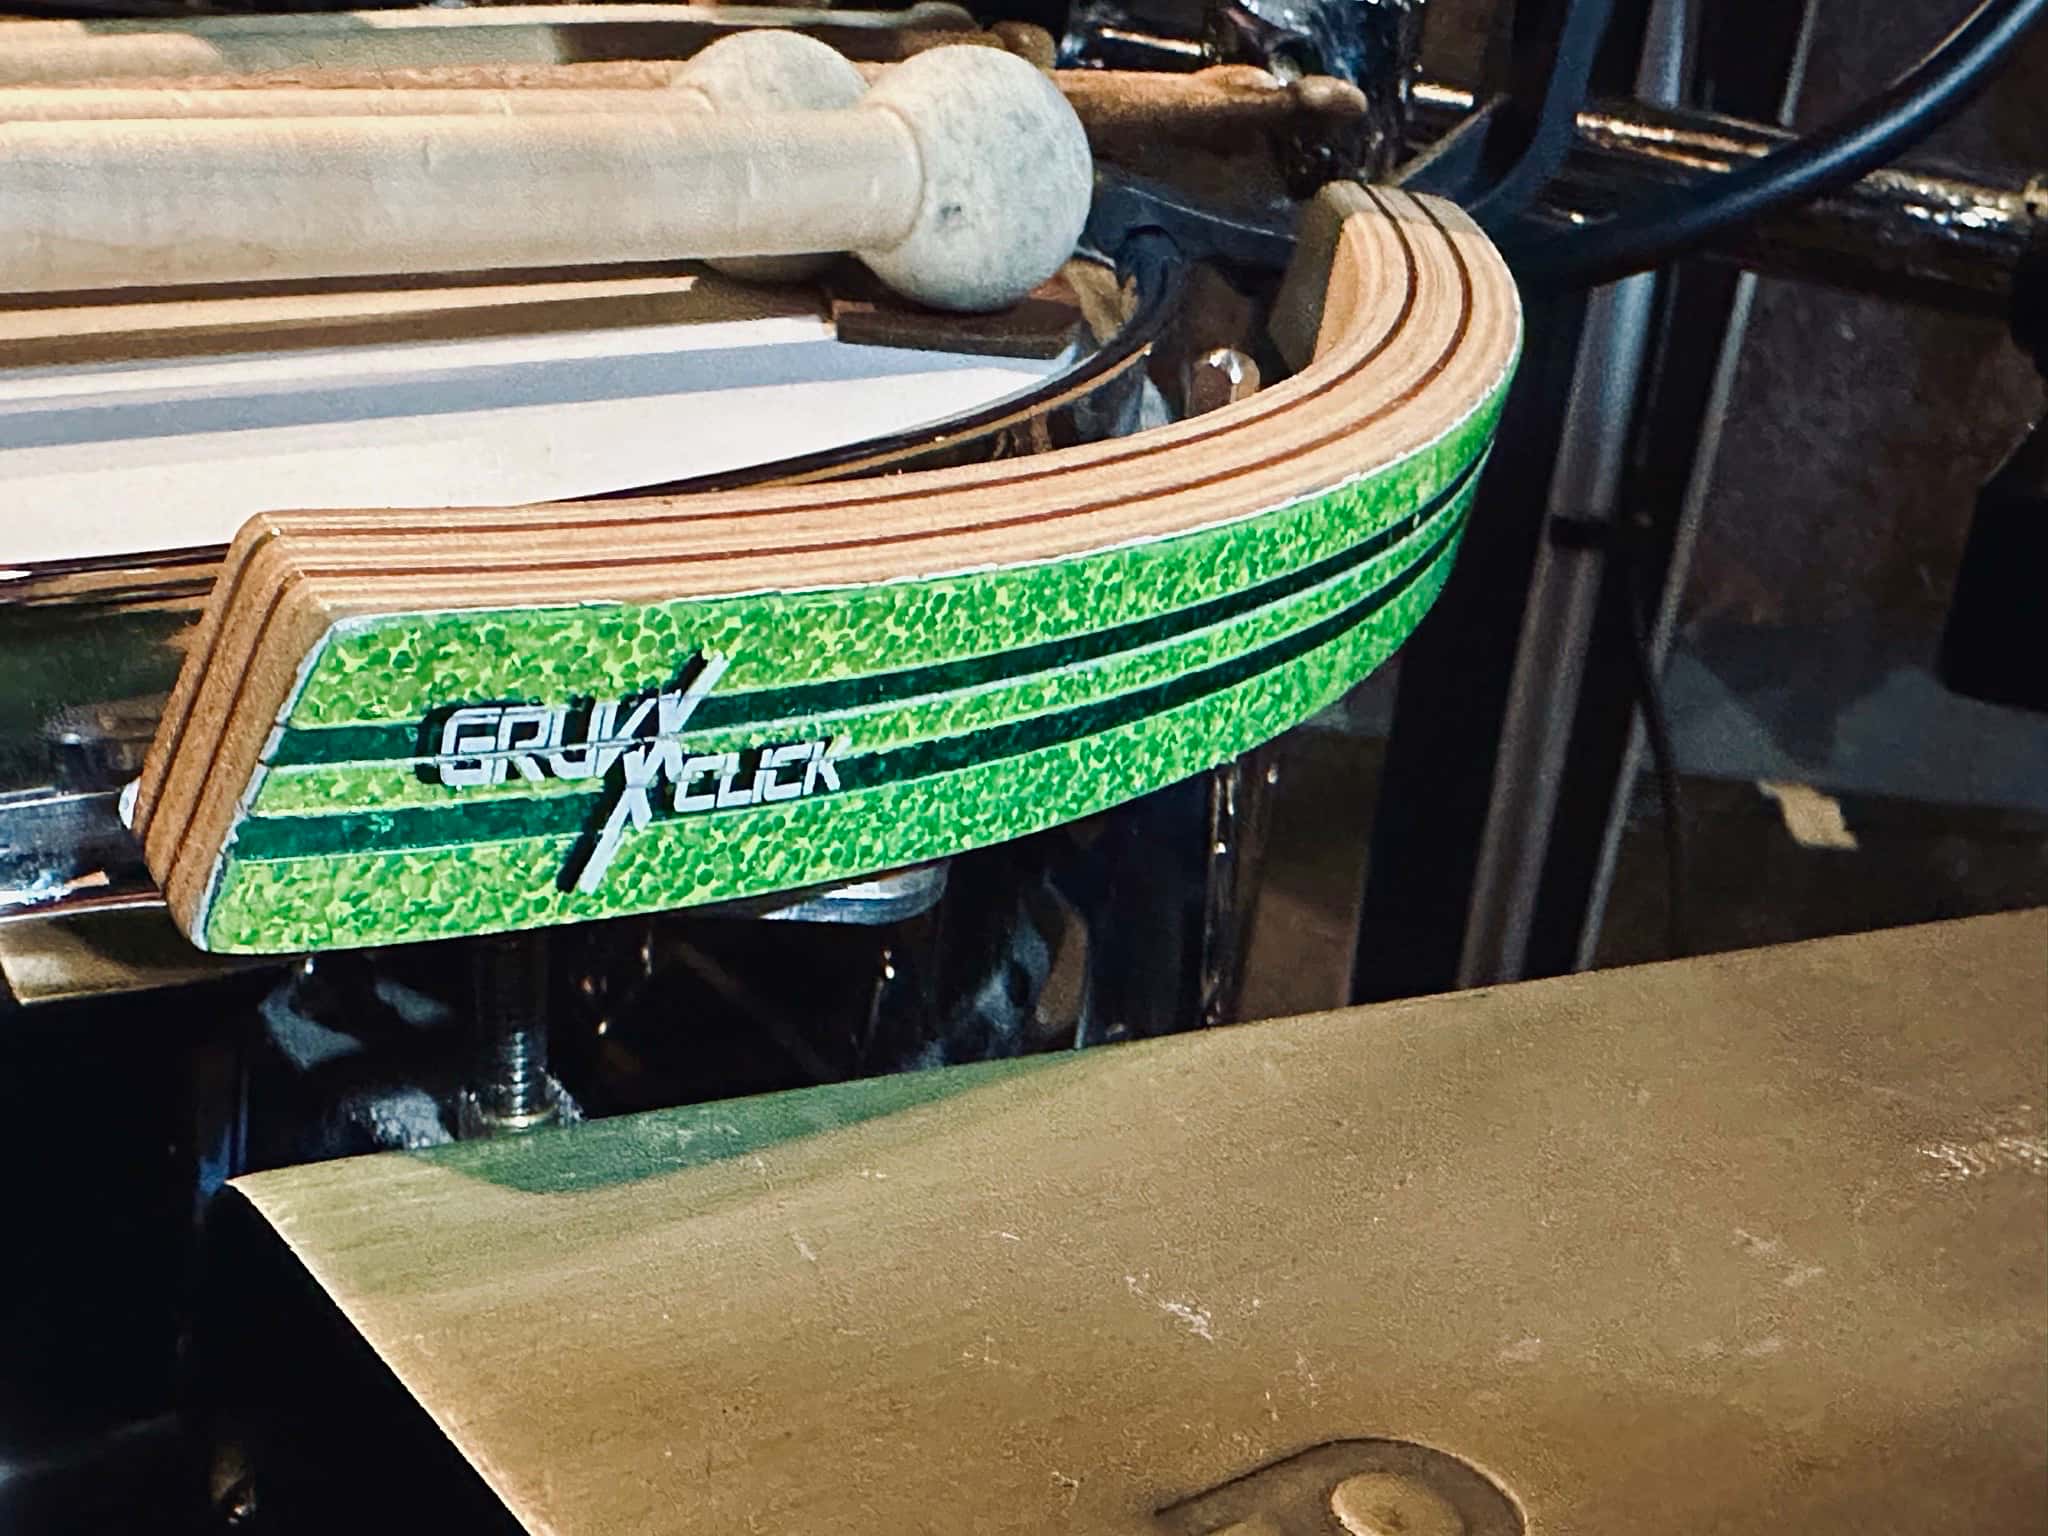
column 636, row 746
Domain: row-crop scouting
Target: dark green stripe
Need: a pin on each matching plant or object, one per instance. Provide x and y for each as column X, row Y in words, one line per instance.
column 568, row 815
column 386, row 743
column 1018, row 737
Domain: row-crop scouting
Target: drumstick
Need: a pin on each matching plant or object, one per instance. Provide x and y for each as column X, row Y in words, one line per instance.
column 87, row 103
column 768, row 70
column 1215, row 108
column 426, row 37
column 962, row 179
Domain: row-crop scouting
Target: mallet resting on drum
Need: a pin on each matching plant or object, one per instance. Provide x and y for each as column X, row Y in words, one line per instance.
column 962, row 179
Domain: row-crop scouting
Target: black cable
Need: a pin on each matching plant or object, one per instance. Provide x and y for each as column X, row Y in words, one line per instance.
column 1663, row 760
column 1871, row 135
column 1556, row 118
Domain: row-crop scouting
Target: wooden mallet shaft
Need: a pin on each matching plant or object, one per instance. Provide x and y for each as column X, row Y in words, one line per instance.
column 963, row 179
column 81, row 103
column 425, row 37
column 105, row 204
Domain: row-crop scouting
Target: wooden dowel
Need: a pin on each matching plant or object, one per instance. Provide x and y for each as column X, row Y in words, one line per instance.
column 963, row 180
column 111, row 204
column 1216, row 107
column 612, row 75
column 111, row 104
column 42, row 52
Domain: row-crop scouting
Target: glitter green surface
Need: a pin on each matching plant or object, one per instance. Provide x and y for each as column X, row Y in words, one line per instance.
column 1307, row 624
column 355, row 786
column 395, row 896
column 1234, row 633
column 398, row 667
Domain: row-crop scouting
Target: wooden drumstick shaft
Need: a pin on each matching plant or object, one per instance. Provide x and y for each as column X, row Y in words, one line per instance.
column 80, row 103
column 44, row 52
column 111, row 204
column 765, row 70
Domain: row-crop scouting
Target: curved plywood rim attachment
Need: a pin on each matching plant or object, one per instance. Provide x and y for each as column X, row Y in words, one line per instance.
column 411, row 725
